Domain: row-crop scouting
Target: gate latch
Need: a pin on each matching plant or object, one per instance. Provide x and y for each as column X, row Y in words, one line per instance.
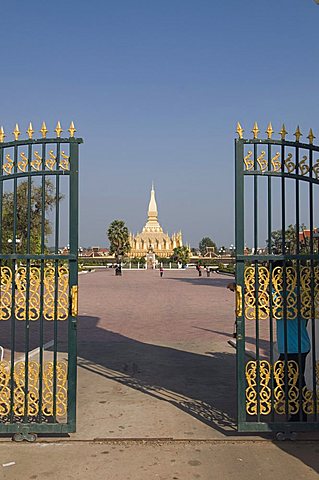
column 74, row 301
column 239, row 301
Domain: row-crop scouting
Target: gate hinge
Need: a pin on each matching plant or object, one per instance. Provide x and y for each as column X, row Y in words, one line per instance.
column 74, row 301
column 239, row 301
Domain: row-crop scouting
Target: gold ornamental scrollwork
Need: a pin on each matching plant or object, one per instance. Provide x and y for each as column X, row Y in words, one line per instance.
column 49, row 309
column 303, row 167
column 290, row 165
column 290, row 293
column 23, row 163
column 248, row 161
column 64, row 162
column 262, row 294
column 21, row 293
column 262, row 162
column 6, row 293
column 308, row 403
column 8, row 165
column 276, row 163
column 33, row 375
column 293, row 391
column 36, row 162
column 315, row 169
column 51, row 161
column 252, row 397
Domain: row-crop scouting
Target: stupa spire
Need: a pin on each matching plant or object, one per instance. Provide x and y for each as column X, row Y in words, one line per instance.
column 152, row 207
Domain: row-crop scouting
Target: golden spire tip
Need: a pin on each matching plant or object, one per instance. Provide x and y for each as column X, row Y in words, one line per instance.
column 58, row 130
column 255, row 130
column 16, row 132
column 2, row 135
column 283, row 132
column 240, row 130
column 311, row 136
column 72, row 129
column 44, row 130
column 298, row 134
column 30, row 131
column 269, row 131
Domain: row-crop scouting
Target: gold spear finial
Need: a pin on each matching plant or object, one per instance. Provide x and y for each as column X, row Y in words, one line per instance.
column 58, row 130
column 30, row 131
column 269, row 131
column 311, row 136
column 255, row 130
column 240, row 130
column 2, row 135
column 283, row 132
column 44, row 130
column 72, row 129
column 298, row 134
column 16, row 132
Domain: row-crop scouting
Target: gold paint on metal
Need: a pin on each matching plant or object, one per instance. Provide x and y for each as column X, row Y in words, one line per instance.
column 16, row 132
column 276, row 163
column 252, row 399
column 44, row 130
column 308, row 403
column 34, row 287
column 239, row 301
column 30, row 131
column 64, row 163
column 62, row 312
column 8, row 165
column 278, row 293
column 2, row 135
column 36, row 163
column 298, row 134
column 6, row 293
column 269, row 131
column 22, row 164
column 74, row 303
column 255, row 130
column 239, row 130
column 248, row 161
column 315, row 169
column 21, row 293
column 295, row 400
column 290, row 165
column 262, row 162
column 250, row 294
column 58, row 130
column 304, row 168
column 33, row 376
column 283, row 132
column 279, row 390
column 311, row 137
column 72, row 129
column 50, row 162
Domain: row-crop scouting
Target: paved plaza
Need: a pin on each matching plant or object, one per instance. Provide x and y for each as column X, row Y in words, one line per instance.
column 157, row 390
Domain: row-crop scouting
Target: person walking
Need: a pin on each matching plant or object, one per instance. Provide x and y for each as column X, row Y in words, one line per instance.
column 161, row 271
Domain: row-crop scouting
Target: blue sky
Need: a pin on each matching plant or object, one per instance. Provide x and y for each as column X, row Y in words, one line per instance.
column 156, row 88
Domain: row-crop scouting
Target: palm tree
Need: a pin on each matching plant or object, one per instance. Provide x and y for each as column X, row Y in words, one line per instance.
column 118, row 236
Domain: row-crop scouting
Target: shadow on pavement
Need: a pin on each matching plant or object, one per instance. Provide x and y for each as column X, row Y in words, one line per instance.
column 186, row 380
column 203, row 281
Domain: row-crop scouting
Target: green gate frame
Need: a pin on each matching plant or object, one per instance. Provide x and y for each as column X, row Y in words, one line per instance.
column 41, row 286
column 285, row 160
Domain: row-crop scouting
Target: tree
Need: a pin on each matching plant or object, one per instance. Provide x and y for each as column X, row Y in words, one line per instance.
column 118, row 236
column 181, row 254
column 290, row 240
column 22, row 217
column 204, row 243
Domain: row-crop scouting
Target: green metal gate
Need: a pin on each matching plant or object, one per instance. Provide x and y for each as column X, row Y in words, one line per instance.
column 39, row 282
column 277, row 282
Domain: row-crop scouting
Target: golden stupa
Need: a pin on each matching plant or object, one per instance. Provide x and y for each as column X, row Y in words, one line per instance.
column 152, row 239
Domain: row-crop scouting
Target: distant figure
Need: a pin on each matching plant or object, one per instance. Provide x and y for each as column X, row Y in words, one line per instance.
column 161, row 271
column 198, row 268
column 207, row 272
column 118, row 270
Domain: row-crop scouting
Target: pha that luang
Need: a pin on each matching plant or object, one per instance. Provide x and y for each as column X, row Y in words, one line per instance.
column 152, row 239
